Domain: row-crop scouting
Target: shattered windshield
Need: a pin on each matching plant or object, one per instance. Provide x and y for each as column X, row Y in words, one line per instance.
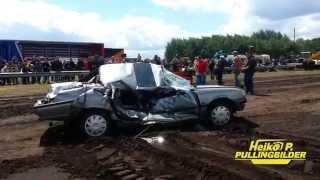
column 170, row 79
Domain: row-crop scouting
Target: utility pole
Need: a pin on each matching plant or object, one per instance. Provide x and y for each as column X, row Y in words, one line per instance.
column 294, row 34
column 294, row 41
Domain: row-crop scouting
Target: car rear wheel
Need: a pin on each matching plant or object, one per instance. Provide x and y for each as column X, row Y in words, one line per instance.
column 220, row 114
column 95, row 124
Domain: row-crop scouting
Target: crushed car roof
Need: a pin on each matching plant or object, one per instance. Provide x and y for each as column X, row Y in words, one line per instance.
column 140, row 75
column 133, row 74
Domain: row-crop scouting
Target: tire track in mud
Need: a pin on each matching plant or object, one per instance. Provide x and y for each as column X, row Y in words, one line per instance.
column 15, row 106
column 223, row 158
column 182, row 156
column 219, row 146
column 219, row 158
column 129, row 158
column 309, row 143
column 180, row 164
column 285, row 84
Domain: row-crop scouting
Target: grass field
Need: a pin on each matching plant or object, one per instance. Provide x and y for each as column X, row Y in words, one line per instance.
column 23, row 90
column 37, row 89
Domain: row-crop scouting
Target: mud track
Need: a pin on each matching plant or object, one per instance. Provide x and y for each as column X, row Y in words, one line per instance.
column 14, row 106
column 285, row 107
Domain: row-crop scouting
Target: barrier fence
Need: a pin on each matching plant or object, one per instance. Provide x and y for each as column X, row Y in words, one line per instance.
column 37, row 77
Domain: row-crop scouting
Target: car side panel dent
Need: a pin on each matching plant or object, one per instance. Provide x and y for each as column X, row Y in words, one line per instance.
column 92, row 99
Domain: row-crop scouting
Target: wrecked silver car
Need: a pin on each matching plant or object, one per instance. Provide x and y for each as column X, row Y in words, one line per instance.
column 140, row 94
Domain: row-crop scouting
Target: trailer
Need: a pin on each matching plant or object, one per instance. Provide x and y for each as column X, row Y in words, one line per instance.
column 20, row 49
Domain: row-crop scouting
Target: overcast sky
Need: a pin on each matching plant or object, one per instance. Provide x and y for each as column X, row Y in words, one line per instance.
column 146, row 26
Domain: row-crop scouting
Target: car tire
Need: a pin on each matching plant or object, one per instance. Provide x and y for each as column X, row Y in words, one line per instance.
column 219, row 114
column 95, row 124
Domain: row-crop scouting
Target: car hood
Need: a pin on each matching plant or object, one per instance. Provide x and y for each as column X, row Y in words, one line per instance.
column 54, row 89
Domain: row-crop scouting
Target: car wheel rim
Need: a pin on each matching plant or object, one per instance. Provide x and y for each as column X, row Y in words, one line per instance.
column 95, row 125
column 220, row 115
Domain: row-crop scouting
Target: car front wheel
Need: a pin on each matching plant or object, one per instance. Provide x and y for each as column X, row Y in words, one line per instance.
column 220, row 114
column 95, row 124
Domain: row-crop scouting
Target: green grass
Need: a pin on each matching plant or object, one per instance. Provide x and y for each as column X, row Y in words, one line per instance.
column 23, row 90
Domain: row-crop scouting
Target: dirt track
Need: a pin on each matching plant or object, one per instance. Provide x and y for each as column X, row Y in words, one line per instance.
column 284, row 108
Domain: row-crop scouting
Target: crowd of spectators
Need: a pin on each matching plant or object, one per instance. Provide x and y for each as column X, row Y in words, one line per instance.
column 42, row 64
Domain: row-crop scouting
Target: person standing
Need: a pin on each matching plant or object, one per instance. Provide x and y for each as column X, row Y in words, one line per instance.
column 156, row 60
column 211, row 68
column 139, row 58
column 249, row 70
column 174, row 64
column 237, row 68
column 200, row 66
column 220, row 69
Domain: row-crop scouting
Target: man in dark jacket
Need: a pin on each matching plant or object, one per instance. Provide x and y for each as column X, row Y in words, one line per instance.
column 220, row 69
column 211, row 68
column 249, row 70
column 96, row 62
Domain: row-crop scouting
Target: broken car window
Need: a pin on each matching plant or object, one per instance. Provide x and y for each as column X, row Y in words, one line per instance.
column 170, row 79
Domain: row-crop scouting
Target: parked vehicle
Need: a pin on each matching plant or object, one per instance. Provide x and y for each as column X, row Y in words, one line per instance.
column 140, row 93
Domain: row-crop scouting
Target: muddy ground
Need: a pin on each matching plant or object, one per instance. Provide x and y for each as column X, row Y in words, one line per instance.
column 284, row 107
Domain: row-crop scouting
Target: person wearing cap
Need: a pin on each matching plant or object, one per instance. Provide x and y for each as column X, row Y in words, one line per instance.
column 237, row 68
column 249, row 70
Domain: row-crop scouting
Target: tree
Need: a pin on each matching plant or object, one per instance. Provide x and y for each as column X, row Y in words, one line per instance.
column 269, row 42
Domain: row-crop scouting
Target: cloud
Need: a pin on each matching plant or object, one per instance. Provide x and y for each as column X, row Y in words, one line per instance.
column 247, row 16
column 40, row 20
column 307, row 26
column 27, row 32
column 222, row 6
column 284, row 9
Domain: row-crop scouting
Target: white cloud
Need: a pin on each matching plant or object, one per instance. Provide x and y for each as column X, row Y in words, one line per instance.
column 40, row 20
column 284, row 9
column 247, row 16
column 307, row 26
column 223, row 6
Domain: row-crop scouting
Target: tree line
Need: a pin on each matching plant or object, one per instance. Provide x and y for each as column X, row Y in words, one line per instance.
column 269, row 42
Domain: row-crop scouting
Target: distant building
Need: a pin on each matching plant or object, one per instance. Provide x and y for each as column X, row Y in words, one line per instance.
column 25, row 48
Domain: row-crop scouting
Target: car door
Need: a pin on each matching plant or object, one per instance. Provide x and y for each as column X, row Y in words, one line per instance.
column 182, row 106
